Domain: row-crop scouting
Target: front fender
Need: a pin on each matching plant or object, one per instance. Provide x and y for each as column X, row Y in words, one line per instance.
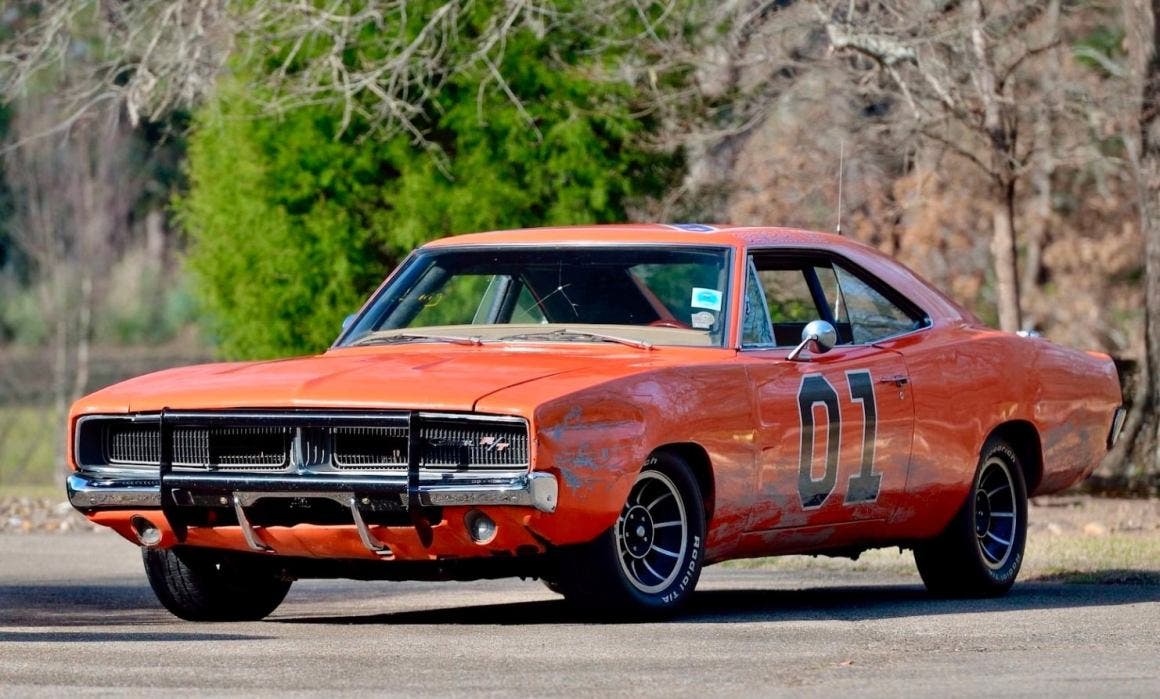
column 595, row 446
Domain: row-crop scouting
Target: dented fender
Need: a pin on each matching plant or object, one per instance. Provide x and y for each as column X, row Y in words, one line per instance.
column 595, row 447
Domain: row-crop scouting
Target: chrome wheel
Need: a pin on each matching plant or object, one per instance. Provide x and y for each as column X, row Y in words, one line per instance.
column 652, row 533
column 996, row 513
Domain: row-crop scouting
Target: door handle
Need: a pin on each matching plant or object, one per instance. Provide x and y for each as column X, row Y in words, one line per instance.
column 898, row 380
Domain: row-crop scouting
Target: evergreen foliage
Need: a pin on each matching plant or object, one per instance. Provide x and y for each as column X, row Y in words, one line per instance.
column 294, row 220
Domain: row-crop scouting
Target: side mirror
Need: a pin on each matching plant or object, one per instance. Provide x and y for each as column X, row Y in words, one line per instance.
column 818, row 337
column 348, row 320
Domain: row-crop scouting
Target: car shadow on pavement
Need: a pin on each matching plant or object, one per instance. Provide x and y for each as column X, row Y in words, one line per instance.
column 49, row 605
column 118, row 637
column 851, row 603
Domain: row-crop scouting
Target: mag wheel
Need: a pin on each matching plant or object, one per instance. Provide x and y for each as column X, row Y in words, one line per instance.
column 650, row 560
column 981, row 551
column 204, row 586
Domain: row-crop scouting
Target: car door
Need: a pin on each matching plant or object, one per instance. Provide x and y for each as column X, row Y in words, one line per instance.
column 834, row 429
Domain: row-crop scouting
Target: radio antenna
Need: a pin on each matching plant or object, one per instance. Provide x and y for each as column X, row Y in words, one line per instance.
column 841, row 173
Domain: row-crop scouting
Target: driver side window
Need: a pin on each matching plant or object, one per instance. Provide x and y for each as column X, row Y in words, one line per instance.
column 791, row 295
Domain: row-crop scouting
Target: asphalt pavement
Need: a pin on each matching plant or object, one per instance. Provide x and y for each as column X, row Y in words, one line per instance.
column 78, row 618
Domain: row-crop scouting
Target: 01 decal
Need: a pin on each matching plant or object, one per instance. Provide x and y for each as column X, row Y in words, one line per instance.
column 816, row 390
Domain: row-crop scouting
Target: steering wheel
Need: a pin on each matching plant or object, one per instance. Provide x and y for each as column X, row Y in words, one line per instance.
column 669, row 323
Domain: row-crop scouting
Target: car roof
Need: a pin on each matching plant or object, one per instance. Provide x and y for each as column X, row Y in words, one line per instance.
column 891, row 271
column 649, row 234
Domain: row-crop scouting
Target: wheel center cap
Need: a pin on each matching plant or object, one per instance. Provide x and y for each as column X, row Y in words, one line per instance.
column 982, row 514
column 637, row 533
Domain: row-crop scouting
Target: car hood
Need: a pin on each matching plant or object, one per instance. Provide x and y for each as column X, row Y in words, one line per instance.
column 444, row 378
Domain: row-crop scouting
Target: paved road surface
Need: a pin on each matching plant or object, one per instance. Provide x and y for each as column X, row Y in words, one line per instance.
column 76, row 617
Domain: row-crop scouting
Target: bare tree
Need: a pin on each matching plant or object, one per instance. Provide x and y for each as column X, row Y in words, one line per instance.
column 969, row 75
column 72, row 197
column 1138, row 452
column 380, row 61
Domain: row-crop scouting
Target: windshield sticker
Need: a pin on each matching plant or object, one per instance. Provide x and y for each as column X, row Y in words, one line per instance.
column 693, row 227
column 702, row 320
column 706, row 298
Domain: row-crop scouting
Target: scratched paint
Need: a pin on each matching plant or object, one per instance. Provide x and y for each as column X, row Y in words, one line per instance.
column 596, row 412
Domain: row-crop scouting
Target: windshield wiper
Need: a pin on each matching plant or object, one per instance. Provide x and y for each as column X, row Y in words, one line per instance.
column 416, row 337
column 579, row 334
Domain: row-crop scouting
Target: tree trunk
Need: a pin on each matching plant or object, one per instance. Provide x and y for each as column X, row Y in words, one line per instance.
column 1138, row 459
column 1006, row 270
column 1003, row 248
column 1036, row 230
column 1150, row 170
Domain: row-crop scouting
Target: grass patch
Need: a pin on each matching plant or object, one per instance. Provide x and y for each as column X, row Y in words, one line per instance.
column 1116, row 558
column 28, row 440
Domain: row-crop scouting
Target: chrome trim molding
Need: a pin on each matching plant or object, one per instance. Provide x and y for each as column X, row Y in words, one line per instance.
column 1117, row 426
column 538, row 490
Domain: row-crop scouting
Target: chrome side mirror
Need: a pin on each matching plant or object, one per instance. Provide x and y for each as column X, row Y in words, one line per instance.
column 348, row 320
column 818, row 337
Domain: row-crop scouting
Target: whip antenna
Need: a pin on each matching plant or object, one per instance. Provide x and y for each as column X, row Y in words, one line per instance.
column 841, row 172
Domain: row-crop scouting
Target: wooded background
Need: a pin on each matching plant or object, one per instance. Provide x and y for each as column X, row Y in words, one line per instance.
column 188, row 178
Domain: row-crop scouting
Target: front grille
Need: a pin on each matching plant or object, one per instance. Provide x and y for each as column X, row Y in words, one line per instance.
column 370, row 447
column 205, row 447
column 241, row 447
column 366, row 442
column 133, row 444
column 450, row 444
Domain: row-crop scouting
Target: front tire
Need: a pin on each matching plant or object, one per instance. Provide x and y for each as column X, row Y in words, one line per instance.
column 206, row 586
column 649, row 561
column 981, row 551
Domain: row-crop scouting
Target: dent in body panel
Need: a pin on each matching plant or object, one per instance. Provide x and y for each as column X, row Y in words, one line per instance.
column 597, row 439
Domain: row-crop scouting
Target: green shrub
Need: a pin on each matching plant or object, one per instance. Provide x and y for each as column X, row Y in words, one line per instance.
column 294, row 220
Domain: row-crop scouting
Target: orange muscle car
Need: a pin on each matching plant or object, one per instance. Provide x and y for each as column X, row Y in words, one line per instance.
column 608, row 409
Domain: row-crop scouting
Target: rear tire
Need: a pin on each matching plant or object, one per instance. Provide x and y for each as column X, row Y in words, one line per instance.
column 981, row 551
column 198, row 585
column 648, row 563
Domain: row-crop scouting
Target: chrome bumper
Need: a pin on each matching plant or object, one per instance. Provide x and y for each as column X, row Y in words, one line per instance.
column 538, row 490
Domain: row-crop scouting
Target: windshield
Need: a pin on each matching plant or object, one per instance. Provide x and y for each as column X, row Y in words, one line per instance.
column 640, row 296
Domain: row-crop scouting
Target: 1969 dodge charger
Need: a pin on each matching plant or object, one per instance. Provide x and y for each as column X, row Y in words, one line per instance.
column 608, row 409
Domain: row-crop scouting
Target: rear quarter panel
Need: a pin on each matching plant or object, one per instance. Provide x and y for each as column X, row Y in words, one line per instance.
column 967, row 382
